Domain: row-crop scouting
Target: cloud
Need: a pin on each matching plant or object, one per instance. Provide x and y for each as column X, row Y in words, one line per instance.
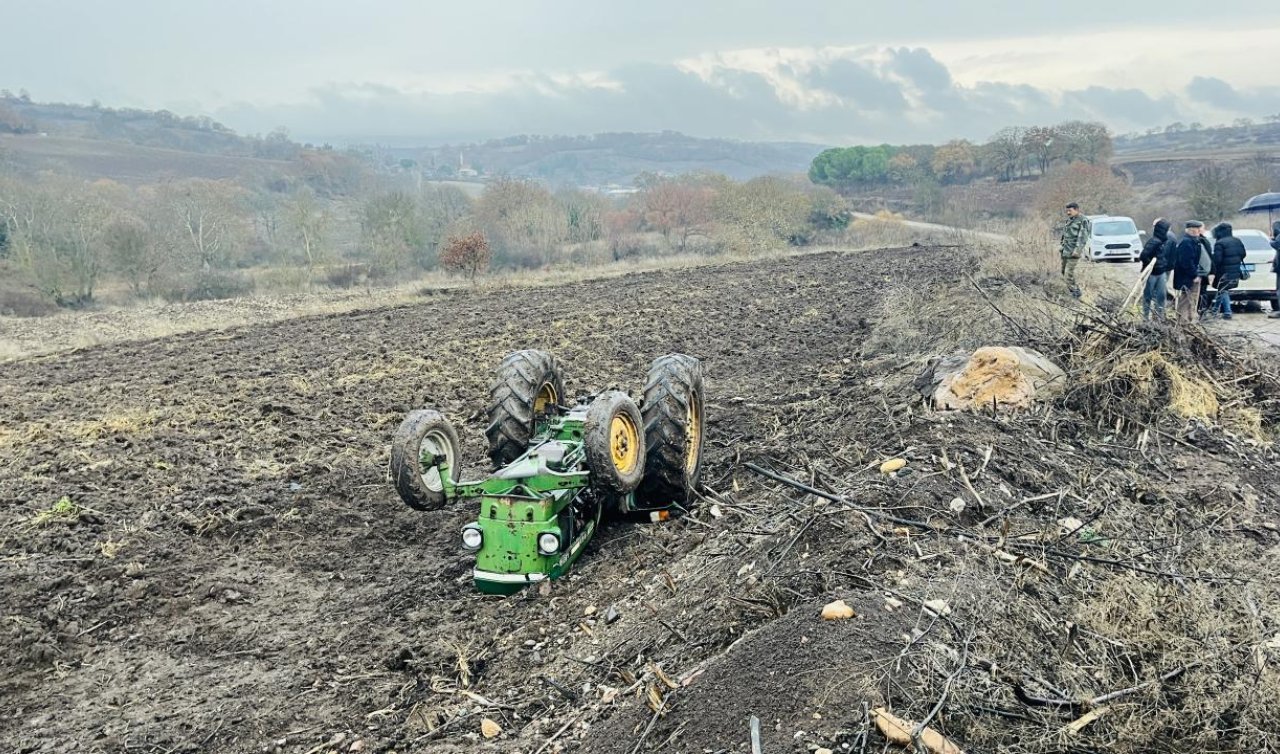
column 859, row 85
column 918, row 66
column 835, row 96
column 1214, row 92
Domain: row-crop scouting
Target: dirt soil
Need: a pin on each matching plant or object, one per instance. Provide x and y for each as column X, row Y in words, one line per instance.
column 202, row 550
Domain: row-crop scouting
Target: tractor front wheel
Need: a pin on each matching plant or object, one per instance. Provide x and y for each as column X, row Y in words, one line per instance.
column 527, row 386
column 613, row 435
column 424, row 442
column 673, row 431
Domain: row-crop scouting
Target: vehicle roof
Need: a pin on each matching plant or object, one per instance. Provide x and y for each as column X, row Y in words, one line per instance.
column 1250, row 232
column 1109, row 217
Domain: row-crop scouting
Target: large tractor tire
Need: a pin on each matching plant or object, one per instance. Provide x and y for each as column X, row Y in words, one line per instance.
column 528, row 385
column 673, row 431
column 423, row 439
column 613, row 435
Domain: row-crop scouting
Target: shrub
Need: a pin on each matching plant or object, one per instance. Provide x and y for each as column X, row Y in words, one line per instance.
column 348, row 275
column 1095, row 188
column 19, row 298
column 211, row 285
column 467, row 254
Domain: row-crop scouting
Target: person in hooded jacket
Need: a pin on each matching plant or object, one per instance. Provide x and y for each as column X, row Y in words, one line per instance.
column 1186, row 275
column 1153, row 254
column 1205, row 271
column 1228, row 256
column 1275, row 263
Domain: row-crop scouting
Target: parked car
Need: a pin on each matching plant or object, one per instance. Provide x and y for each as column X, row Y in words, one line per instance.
column 1261, row 285
column 1114, row 239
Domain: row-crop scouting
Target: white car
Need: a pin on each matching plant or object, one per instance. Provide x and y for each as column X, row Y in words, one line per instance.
column 1261, row 285
column 1114, row 239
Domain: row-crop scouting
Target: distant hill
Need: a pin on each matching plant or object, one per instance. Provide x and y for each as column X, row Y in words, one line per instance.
column 1180, row 137
column 127, row 163
column 113, row 142
column 137, row 147
column 146, row 128
column 605, row 159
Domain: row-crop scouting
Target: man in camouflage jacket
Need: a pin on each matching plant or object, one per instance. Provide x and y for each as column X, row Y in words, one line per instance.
column 1075, row 238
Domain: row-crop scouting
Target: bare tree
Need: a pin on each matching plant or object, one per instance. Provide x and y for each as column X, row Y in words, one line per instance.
column 133, row 252
column 441, row 208
column 1039, row 142
column 1006, row 151
column 955, row 161
column 56, row 225
column 522, row 220
column 308, row 222
column 392, row 230
column 1085, row 142
column 1094, row 187
column 678, row 208
column 762, row 213
column 1212, row 193
column 205, row 222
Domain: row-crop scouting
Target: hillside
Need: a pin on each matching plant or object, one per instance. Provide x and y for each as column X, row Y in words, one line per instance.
column 1178, row 138
column 610, row 158
column 123, row 162
column 159, row 128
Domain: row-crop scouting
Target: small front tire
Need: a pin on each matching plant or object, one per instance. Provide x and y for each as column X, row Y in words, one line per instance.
column 424, row 441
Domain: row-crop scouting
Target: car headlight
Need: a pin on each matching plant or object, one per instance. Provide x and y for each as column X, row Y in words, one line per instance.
column 548, row 543
column 472, row 537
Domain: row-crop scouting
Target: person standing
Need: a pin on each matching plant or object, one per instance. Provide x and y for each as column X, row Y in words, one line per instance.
column 1275, row 264
column 1075, row 236
column 1206, row 270
column 1228, row 257
column 1155, row 256
column 1186, row 272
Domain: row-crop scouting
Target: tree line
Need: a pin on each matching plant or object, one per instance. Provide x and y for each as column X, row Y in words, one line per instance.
column 1012, row 152
column 65, row 240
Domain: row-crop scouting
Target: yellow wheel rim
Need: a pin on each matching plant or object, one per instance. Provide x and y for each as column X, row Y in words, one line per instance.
column 694, row 424
column 547, row 396
column 624, row 443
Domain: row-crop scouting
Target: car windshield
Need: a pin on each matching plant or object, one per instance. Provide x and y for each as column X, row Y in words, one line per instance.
column 1114, row 228
column 1255, row 243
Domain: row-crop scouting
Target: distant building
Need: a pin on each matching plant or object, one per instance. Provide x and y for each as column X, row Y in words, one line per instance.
column 465, row 170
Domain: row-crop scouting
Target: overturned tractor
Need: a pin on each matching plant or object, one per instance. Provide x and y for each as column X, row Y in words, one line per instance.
column 560, row 468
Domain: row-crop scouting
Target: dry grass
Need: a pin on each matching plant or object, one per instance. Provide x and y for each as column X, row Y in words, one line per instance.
column 1155, row 380
column 68, row 330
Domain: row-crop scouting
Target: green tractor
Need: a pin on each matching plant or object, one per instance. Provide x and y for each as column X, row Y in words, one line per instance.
column 559, row 468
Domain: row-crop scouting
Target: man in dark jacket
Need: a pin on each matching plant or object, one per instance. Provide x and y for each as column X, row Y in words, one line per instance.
column 1154, row 255
column 1228, row 256
column 1275, row 264
column 1186, row 280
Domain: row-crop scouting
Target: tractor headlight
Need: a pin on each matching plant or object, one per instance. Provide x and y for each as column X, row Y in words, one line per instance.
column 472, row 537
column 548, row 543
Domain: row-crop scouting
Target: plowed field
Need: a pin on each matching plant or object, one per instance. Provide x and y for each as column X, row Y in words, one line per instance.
column 202, row 550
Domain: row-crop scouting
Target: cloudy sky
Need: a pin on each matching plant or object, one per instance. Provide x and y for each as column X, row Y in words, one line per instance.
column 826, row 71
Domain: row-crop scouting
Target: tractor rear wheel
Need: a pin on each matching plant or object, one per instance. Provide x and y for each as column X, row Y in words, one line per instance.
column 424, row 440
column 613, row 435
column 673, row 431
column 527, row 386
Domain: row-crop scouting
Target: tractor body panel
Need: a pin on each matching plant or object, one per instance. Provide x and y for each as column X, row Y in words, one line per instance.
column 543, row 492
